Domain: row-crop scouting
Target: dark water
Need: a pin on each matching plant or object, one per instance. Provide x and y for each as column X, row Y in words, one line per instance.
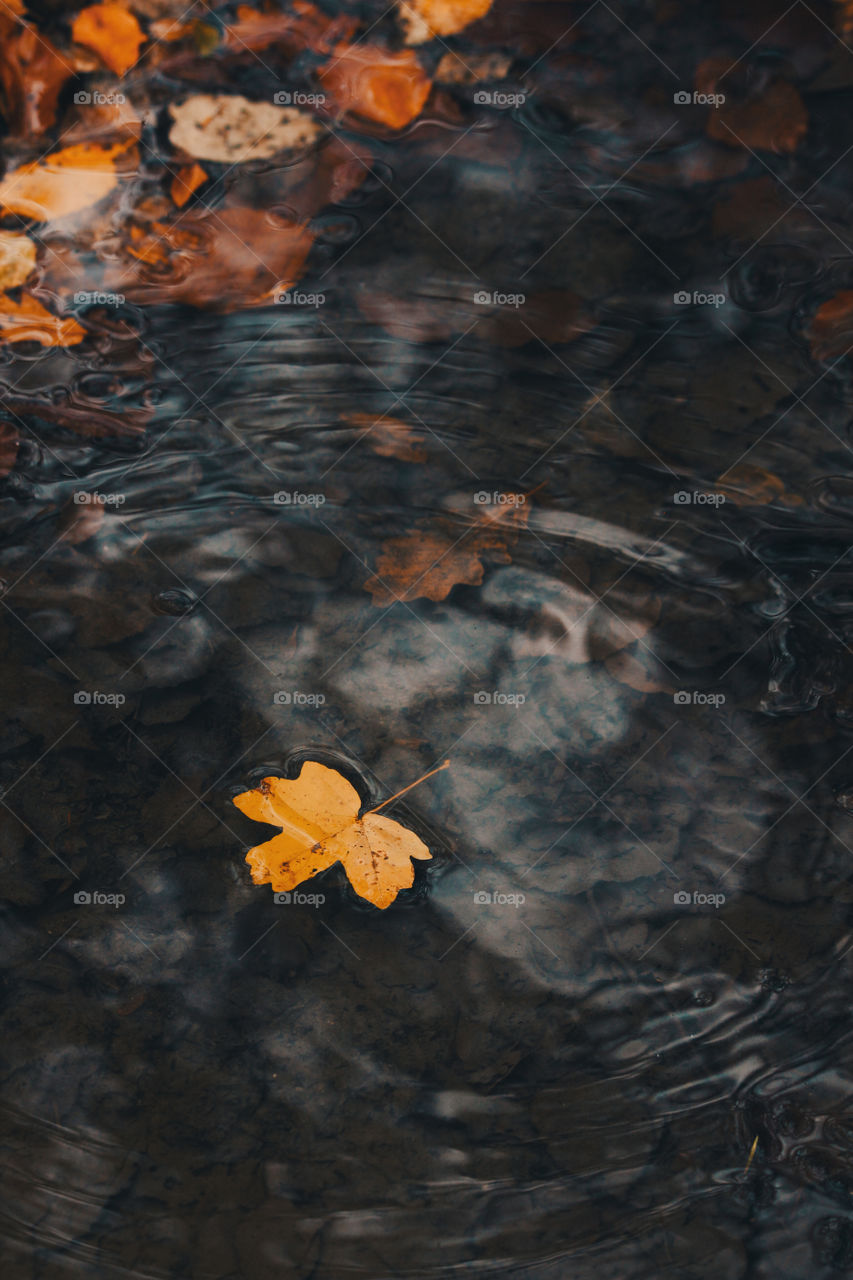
column 200, row 1083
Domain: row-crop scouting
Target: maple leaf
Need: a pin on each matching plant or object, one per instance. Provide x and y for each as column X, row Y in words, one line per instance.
column 318, row 814
column 431, row 562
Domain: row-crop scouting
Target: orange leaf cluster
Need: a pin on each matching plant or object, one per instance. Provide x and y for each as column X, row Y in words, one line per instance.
column 32, row 75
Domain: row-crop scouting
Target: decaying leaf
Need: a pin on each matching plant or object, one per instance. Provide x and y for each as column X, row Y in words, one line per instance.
column 748, row 486
column 318, row 814
column 421, row 20
column 9, row 442
column 185, row 182
column 231, row 129
column 112, row 32
column 430, row 563
column 17, row 258
column 761, row 116
column 389, row 437
column 32, row 75
column 377, row 84
column 62, row 183
column 831, row 333
column 304, row 26
column 472, row 68
column 29, row 321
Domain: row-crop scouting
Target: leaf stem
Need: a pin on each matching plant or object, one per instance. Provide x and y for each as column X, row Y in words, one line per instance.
column 445, row 765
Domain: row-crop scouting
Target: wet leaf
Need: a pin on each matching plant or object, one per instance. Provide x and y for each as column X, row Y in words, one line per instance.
column 80, row 521
column 760, row 114
column 9, row 442
column 746, row 485
column 304, row 27
column 421, row 20
column 831, row 333
column 112, row 32
column 389, row 437
column 430, row 563
column 63, row 183
column 318, row 814
column 28, row 321
column 377, row 84
column 17, row 258
column 32, row 75
column 231, row 129
column 187, row 180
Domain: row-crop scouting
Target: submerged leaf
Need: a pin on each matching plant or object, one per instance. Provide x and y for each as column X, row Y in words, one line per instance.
column 318, row 814
column 29, row 321
column 372, row 82
column 62, row 183
column 231, row 129
column 17, row 258
column 112, row 32
column 423, row 19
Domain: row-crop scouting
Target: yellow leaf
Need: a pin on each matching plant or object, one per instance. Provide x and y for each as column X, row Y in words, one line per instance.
column 28, row 321
column 112, row 32
column 17, row 258
column 62, row 183
column 318, row 814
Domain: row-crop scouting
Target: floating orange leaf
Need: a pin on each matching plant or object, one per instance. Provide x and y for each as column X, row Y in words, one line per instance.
column 113, row 33
column 423, row 19
column 187, row 180
column 430, row 563
column 389, row 88
column 28, row 321
column 318, row 814
column 304, row 27
column 62, row 183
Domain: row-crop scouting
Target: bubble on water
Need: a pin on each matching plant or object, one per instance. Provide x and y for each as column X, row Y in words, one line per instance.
column 174, row 602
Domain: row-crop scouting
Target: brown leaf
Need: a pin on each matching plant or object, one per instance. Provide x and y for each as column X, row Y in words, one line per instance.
column 17, row 258
column 231, row 129
column 32, row 75
column 430, row 562
column 187, row 180
column 831, row 332
column 9, row 442
column 760, row 114
column 389, row 437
